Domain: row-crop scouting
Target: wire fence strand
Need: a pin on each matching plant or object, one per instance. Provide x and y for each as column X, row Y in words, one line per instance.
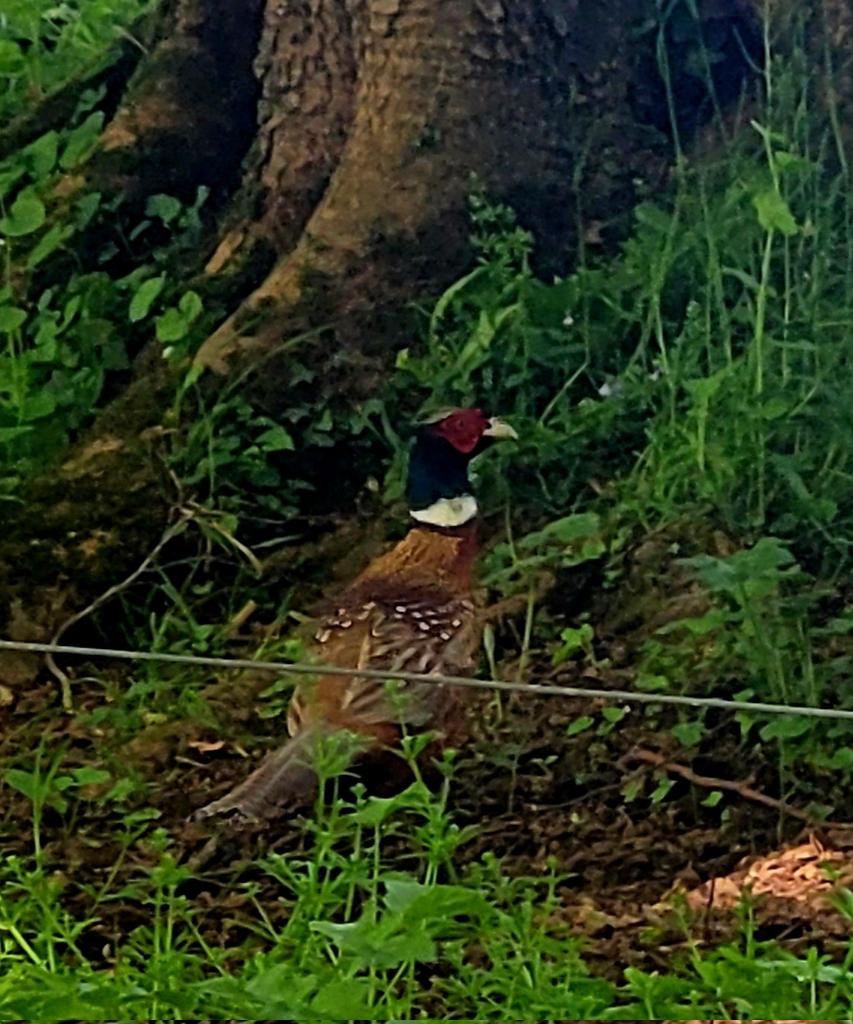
column 535, row 689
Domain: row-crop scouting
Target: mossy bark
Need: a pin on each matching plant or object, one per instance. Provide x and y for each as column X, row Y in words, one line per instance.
column 84, row 524
column 188, row 114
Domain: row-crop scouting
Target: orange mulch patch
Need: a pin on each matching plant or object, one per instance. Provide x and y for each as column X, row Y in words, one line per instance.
column 806, row 877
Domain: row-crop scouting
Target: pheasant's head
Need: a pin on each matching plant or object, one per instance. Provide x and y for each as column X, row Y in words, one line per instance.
column 438, row 489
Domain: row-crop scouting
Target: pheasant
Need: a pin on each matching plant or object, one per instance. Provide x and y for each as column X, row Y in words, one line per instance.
column 411, row 610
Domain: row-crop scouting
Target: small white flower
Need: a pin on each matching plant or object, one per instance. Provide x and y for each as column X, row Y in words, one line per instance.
column 568, row 320
column 610, row 388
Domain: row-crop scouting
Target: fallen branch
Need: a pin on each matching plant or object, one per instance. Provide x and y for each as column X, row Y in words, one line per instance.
column 743, row 789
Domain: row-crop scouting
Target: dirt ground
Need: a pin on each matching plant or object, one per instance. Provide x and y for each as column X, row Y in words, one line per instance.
column 540, row 798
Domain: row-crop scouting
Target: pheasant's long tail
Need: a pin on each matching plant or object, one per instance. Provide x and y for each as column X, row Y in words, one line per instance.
column 285, row 777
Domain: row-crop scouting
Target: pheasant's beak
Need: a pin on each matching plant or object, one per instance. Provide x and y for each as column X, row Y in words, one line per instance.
column 498, row 429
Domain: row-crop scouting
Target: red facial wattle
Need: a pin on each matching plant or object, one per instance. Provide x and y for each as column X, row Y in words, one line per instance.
column 463, row 429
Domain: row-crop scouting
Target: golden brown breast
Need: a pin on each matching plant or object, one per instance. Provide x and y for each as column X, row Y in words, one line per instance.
column 411, row 610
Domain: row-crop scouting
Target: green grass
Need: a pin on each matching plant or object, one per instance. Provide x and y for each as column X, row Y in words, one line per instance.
column 370, row 918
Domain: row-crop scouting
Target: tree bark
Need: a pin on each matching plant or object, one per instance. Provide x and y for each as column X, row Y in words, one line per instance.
column 419, row 96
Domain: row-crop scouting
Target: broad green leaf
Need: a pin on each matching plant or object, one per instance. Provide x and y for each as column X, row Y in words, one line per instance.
column 41, row 154
column 579, row 725
column 703, row 389
column 191, row 306
column 276, row 439
column 82, row 142
column 773, row 408
column 87, row 207
column 8, row 434
column 774, row 214
column 376, row 810
column 88, row 775
column 785, row 727
column 45, row 342
column 767, row 562
column 661, row 791
column 700, row 625
column 26, row 215
column 840, row 760
column 432, row 903
column 278, row 987
column 165, row 207
column 70, row 311
column 11, row 318
column 564, row 531
column 573, row 640
column 25, row 782
column 344, row 999
column 10, row 176
column 787, row 161
column 650, row 682
column 47, row 245
column 689, row 734
column 12, row 58
column 172, row 326
column 38, row 405
column 654, row 217
column 631, row 790
column 144, row 297
column 613, row 715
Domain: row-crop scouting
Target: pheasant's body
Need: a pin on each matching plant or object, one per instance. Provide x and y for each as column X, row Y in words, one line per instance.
column 411, row 610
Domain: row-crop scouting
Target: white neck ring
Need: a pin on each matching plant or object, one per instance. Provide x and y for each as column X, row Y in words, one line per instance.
column 447, row 512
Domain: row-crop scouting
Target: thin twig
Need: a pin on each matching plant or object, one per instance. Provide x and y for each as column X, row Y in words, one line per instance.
column 743, row 789
column 237, row 621
column 64, row 682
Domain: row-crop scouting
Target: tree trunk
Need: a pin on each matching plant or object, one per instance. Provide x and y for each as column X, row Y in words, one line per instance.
column 359, row 125
column 374, row 119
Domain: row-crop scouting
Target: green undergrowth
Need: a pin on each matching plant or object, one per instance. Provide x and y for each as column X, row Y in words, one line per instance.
column 44, row 44
column 370, row 919
column 85, row 278
column 71, row 320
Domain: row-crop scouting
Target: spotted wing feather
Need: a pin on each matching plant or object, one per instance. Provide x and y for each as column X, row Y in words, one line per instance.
column 427, row 635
